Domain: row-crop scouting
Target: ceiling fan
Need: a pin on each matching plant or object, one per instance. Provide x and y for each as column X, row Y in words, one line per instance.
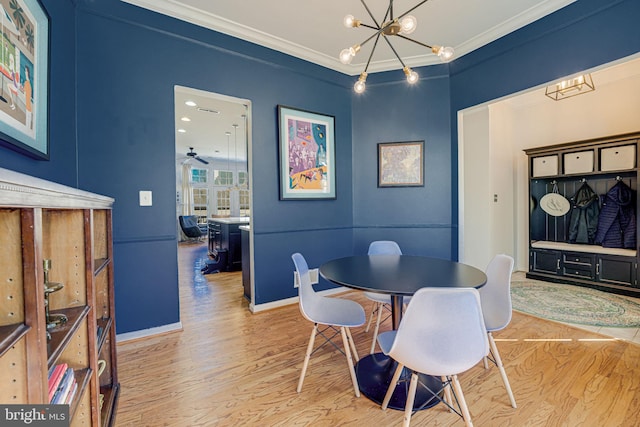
column 193, row 154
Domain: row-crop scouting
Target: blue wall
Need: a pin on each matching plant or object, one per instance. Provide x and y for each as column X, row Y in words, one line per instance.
column 113, row 68
column 418, row 218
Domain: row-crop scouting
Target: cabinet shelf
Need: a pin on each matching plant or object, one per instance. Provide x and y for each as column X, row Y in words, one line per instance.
column 61, row 335
column 72, row 230
column 109, row 404
column 11, row 334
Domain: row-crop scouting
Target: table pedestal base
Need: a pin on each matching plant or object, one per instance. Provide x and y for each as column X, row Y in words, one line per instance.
column 374, row 374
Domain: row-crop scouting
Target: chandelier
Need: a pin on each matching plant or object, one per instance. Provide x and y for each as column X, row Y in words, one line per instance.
column 397, row 26
column 571, row 87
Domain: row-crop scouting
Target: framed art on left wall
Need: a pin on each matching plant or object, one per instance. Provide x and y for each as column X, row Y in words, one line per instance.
column 306, row 155
column 24, row 77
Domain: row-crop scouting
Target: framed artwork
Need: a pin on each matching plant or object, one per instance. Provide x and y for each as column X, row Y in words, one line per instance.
column 24, row 77
column 306, row 155
column 400, row 164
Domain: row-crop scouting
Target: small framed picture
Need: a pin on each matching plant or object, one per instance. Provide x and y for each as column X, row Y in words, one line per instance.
column 306, row 155
column 400, row 164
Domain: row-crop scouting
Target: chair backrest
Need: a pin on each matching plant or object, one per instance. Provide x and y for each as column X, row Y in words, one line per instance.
column 495, row 295
column 442, row 332
column 189, row 225
column 310, row 302
column 384, row 247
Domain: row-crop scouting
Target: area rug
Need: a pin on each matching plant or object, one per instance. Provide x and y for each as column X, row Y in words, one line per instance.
column 575, row 304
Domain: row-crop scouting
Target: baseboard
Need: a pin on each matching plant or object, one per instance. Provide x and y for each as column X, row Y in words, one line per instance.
column 146, row 333
column 256, row 308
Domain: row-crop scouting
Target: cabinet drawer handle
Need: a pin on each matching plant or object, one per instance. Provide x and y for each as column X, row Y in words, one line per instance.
column 558, row 264
column 598, row 269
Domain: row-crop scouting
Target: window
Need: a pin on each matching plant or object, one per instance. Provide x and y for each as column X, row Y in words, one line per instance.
column 244, row 203
column 223, row 202
column 200, row 202
column 199, row 176
column 222, row 177
column 243, row 178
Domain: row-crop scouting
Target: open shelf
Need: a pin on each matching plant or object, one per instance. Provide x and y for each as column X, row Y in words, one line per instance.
column 10, row 334
column 61, row 335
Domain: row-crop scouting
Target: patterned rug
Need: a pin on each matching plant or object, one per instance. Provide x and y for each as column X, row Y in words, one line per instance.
column 575, row 304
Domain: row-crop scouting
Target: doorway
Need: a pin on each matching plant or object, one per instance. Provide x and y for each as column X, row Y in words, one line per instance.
column 212, row 159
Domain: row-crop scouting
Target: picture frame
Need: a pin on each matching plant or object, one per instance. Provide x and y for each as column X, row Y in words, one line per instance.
column 24, row 78
column 401, row 164
column 306, row 153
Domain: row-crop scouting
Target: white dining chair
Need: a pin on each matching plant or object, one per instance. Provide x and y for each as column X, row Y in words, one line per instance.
column 442, row 334
column 329, row 315
column 381, row 302
column 495, row 296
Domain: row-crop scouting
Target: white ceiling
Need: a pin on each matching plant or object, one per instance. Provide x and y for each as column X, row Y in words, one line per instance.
column 313, row 29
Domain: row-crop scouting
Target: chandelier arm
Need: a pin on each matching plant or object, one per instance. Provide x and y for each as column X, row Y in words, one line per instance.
column 389, row 11
column 370, row 26
column 414, row 41
column 371, row 14
column 371, row 54
column 394, row 51
column 412, row 9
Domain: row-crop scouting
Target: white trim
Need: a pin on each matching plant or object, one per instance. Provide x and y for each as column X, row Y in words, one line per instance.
column 147, row 333
column 293, row 300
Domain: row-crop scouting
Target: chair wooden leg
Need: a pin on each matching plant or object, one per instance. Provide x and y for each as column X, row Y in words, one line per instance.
column 411, row 397
column 392, row 386
column 447, row 393
column 307, row 356
column 347, row 351
column 353, row 344
column 375, row 331
column 503, row 373
column 463, row 404
column 374, row 308
column 485, row 362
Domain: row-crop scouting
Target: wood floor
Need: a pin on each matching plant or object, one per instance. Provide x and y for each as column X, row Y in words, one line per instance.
column 233, row 368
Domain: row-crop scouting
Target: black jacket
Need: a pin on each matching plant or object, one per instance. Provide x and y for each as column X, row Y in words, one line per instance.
column 617, row 222
column 585, row 210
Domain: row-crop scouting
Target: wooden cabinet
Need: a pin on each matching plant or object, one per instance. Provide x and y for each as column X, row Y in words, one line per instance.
column 53, row 232
column 554, row 253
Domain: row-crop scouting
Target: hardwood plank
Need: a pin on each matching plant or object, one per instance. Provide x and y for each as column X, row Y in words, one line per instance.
column 229, row 367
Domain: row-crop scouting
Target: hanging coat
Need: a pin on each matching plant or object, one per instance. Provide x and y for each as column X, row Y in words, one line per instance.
column 585, row 210
column 617, row 222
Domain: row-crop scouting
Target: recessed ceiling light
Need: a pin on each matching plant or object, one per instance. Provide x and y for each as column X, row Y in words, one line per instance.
column 181, row 130
column 190, row 103
column 208, row 110
column 185, row 119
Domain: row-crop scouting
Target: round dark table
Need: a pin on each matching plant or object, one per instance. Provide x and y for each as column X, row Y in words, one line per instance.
column 398, row 276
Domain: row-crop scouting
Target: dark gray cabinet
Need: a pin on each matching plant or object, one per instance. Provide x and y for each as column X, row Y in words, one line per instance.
column 224, row 241
column 601, row 163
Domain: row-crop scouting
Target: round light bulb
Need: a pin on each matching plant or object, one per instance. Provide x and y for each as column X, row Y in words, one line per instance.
column 346, row 55
column 412, row 77
column 445, row 54
column 359, row 87
column 349, row 20
column 408, row 24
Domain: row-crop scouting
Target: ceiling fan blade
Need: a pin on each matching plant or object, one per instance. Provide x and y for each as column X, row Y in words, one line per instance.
column 201, row 160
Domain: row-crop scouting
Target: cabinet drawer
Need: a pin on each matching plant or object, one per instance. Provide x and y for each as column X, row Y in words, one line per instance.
column 578, row 162
column 545, row 166
column 577, row 258
column 618, row 158
column 577, row 270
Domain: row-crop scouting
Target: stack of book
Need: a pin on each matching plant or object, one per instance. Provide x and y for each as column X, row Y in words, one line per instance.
column 62, row 384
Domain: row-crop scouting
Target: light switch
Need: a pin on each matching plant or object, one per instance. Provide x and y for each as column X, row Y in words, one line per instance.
column 145, row 198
